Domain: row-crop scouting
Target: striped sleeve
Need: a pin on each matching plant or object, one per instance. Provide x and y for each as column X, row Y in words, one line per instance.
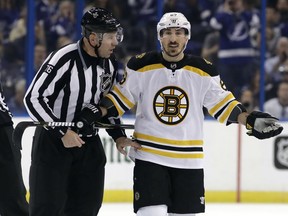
column 219, row 102
column 45, row 88
column 124, row 96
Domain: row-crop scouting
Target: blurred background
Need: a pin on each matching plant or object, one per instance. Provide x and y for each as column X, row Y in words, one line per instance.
column 245, row 39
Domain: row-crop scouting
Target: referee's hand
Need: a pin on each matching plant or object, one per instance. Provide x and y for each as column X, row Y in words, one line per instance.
column 72, row 139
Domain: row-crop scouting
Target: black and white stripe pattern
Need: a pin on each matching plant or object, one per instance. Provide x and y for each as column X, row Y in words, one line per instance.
column 67, row 81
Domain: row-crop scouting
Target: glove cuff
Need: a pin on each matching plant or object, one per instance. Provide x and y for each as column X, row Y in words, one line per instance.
column 250, row 121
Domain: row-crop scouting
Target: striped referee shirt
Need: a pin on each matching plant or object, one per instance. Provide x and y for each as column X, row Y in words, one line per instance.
column 68, row 80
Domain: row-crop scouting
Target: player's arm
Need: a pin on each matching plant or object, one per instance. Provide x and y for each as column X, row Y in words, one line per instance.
column 259, row 124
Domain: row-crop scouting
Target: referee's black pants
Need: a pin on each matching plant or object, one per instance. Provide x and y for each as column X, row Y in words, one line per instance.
column 12, row 189
column 66, row 181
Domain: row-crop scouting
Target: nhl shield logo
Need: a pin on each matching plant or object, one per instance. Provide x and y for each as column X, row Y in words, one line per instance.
column 281, row 152
column 106, row 82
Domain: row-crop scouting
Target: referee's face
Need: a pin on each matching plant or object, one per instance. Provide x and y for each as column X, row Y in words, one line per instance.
column 109, row 43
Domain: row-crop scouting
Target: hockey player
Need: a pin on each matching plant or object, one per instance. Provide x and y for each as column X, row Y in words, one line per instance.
column 170, row 89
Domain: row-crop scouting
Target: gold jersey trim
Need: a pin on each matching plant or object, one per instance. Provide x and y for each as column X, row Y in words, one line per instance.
column 220, row 104
column 119, row 109
column 154, row 139
column 151, row 67
column 122, row 97
column 228, row 111
column 196, row 70
column 173, row 154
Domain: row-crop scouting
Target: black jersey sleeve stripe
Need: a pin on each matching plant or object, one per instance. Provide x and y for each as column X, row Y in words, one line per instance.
column 121, row 104
column 171, row 148
column 216, row 116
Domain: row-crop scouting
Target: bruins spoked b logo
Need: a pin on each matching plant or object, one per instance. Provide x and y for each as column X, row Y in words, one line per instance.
column 171, row 105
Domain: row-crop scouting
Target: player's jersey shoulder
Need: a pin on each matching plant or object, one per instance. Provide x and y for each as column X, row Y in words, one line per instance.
column 201, row 63
column 144, row 59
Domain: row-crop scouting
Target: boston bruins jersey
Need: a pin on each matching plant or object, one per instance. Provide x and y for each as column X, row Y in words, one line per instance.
column 170, row 97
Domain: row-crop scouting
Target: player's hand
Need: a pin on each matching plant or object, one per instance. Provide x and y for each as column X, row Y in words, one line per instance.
column 89, row 114
column 262, row 125
column 72, row 139
column 123, row 142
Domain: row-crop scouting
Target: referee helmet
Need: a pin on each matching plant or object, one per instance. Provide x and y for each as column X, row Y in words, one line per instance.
column 100, row 20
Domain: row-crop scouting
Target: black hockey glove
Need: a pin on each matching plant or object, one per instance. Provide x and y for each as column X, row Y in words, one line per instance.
column 89, row 114
column 262, row 125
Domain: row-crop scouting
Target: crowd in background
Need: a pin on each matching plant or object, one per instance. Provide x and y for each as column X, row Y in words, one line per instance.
column 225, row 32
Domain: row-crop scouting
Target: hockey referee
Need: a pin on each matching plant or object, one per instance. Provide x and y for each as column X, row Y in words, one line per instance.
column 12, row 189
column 67, row 168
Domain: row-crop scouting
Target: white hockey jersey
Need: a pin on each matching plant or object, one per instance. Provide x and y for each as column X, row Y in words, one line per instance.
column 170, row 97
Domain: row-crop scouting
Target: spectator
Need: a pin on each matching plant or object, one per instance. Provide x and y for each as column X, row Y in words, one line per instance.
column 282, row 7
column 278, row 106
column 9, row 13
column 272, row 31
column 63, row 41
column 40, row 53
column 46, row 11
column 15, row 103
column 272, row 64
column 208, row 9
column 64, row 25
column 210, row 47
column 19, row 28
column 272, row 16
column 236, row 52
column 46, row 15
column 12, row 68
column 144, row 17
column 271, row 39
column 247, row 99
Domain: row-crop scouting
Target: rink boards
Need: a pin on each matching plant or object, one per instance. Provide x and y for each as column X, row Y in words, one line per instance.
column 238, row 168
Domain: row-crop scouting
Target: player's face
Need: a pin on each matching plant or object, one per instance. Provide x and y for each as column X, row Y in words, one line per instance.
column 108, row 44
column 173, row 41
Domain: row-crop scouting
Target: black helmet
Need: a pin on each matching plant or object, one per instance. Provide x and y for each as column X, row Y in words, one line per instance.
column 99, row 20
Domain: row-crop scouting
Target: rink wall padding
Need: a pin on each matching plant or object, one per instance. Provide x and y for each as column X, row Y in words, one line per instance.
column 238, row 168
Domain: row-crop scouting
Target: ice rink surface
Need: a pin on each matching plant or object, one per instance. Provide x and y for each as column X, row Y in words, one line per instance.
column 212, row 209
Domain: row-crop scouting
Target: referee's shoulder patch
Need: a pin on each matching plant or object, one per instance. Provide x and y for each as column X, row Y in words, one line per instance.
column 142, row 60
